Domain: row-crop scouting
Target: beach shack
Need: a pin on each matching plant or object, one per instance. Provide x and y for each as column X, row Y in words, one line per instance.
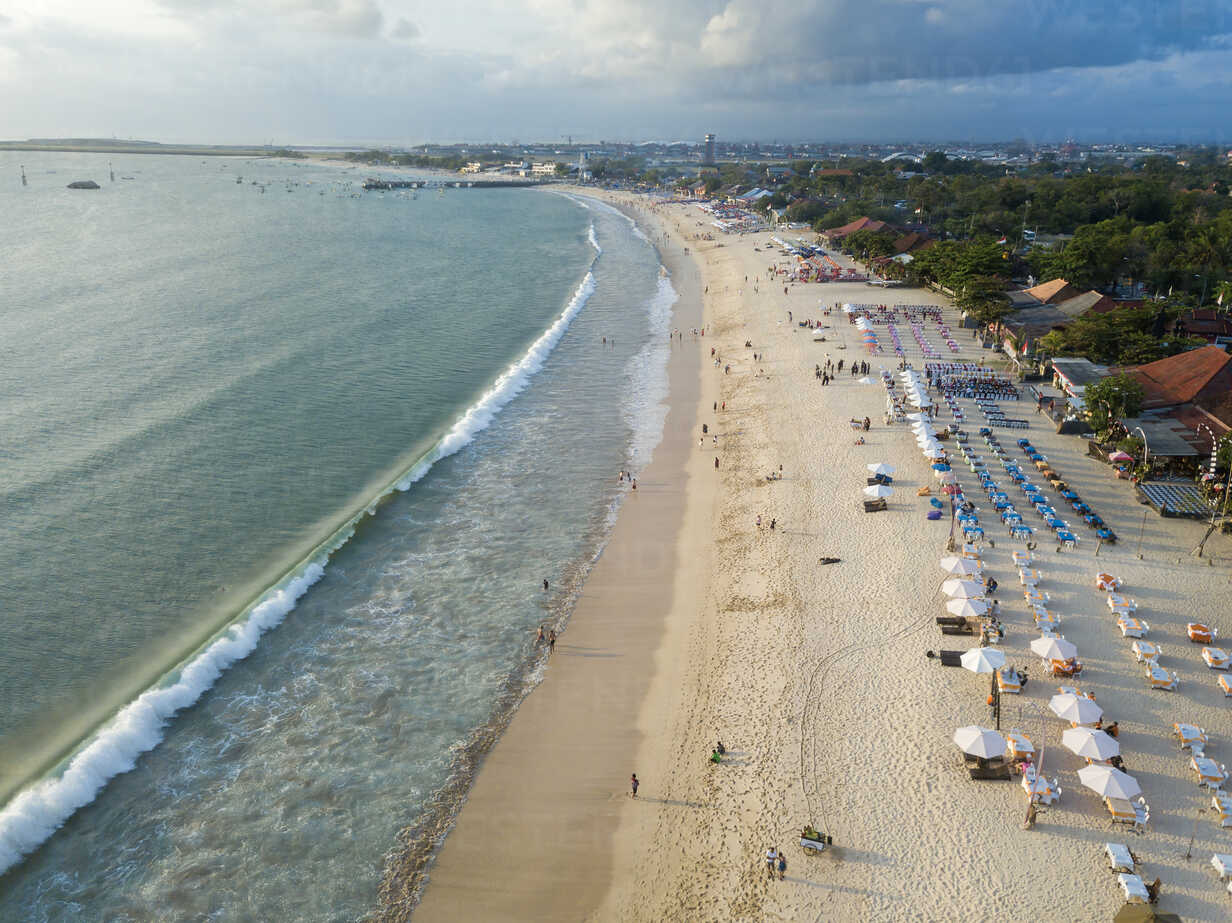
column 1074, row 375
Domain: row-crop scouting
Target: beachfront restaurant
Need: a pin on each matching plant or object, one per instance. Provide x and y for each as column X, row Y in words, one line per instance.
column 1072, row 376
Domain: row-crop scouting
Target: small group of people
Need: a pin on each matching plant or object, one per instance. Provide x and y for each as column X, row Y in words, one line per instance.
column 776, row 862
column 546, row 635
column 859, row 368
column 627, row 477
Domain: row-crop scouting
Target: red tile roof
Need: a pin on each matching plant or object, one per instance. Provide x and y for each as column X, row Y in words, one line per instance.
column 1052, row 292
column 1200, row 376
column 864, row 223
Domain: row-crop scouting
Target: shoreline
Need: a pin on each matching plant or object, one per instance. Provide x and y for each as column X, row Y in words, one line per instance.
column 556, row 781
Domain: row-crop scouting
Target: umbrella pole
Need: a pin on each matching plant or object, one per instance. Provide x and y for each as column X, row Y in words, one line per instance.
column 996, row 700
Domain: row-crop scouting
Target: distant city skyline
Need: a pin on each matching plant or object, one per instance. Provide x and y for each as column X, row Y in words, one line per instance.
column 401, row 72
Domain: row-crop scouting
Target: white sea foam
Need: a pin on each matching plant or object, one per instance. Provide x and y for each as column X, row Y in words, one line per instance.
column 646, row 409
column 590, row 235
column 511, row 382
column 38, row 811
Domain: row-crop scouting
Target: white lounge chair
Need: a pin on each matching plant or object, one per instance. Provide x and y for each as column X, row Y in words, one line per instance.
column 1120, row 859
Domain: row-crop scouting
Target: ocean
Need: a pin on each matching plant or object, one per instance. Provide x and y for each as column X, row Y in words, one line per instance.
column 285, row 465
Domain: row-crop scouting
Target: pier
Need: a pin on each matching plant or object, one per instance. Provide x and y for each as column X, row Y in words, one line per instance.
column 381, row 185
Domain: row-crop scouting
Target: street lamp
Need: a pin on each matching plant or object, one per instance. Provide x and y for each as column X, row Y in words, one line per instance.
column 1146, row 449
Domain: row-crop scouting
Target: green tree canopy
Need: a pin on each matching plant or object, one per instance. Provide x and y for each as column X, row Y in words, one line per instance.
column 1111, row 400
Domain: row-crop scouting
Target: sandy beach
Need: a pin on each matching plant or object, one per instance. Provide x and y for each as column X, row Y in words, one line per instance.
column 698, row 625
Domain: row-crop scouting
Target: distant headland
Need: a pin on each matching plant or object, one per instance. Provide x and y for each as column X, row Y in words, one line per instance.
column 116, row 146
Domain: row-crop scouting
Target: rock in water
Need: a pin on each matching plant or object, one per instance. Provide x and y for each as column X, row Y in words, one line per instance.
column 84, row 184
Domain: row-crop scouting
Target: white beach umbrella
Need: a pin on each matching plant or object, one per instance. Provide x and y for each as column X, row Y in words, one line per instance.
column 864, row 381
column 1089, row 742
column 934, row 451
column 946, row 477
column 980, row 742
column 916, row 417
column 920, row 400
column 878, row 491
column 848, row 309
column 1109, row 782
column 962, row 589
column 1076, row 708
column 1054, row 648
column 967, row 608
column 880, row 468
column 983, row 660
column 956, row 565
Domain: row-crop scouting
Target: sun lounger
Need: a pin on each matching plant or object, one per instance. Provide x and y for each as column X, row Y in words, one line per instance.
column 1009, row 681
column 874, row 506
column 1225, row 684
column 1222, row 864
column 1134, row 888
column 1159, row 678
column 1216, row 658
column 1221, row 803
column 1200, row 633
column 1145, row 651
column 950, row 658
column 1020, row 745
column 1208, row 772
column 1190, row 736
column 1066, row 668
column 1120, row 859
column 956, row 628
column 1040, row 790
column 1122, row 810
column 1131, row 627
column 1107, row 582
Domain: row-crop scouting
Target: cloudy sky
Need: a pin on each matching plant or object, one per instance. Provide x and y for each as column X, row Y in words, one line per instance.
column 398, row 71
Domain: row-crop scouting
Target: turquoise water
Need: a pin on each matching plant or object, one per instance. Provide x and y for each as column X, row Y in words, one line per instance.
column 204, row 383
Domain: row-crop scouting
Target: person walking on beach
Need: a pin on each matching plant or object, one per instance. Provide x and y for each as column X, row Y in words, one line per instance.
column 545, row 584
column 772, row 856
column 539, row 637
column 782, row 865
column 634, row 783
column 716, row 463
column 552, row 641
